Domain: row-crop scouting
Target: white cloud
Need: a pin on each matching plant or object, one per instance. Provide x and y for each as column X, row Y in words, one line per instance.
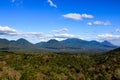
column 76, row 16
column 63, row 36
column 89, row 24
column 115, row 39
column 52, row 4
column 101, row 23
column 105, row 23
column 87, row 16
column 61, row 30
column 5, row 30
column 108, row 36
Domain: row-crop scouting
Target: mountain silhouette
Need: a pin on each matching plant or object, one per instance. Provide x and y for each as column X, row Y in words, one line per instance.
column 68, row 44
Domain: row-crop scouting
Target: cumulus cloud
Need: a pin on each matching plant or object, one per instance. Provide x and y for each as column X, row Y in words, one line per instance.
column 115, row 39
column 63, row 36
column 76, row 16
column 101, row 23
column 73, row 16
column 87, row 16
column 89, row 24
column 52, row 4
column 5, row 30
column 105, row 23
column 61, row 30
column 108, row 36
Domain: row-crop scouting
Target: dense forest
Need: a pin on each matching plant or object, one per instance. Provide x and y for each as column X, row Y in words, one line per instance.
column 59, row 66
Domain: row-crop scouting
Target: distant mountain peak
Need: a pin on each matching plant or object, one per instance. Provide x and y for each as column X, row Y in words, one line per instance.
column 95, row 42
column 52, row 41
column 4, row 41
column 21, row 39
column 107, row 43
column 24, row 42
column 52, row 44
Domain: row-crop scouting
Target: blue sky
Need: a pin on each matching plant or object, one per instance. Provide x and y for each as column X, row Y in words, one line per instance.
column 41, row 20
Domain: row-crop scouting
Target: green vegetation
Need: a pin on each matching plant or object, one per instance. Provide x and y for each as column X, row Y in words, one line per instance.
column 56, row 66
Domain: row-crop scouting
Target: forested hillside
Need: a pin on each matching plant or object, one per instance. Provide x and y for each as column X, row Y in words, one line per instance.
column 59, row 66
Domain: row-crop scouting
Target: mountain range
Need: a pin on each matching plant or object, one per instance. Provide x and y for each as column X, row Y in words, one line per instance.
column 74, row 44
column 70, row 44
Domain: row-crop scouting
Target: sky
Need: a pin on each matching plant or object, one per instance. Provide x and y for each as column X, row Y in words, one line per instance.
column 42, row 20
